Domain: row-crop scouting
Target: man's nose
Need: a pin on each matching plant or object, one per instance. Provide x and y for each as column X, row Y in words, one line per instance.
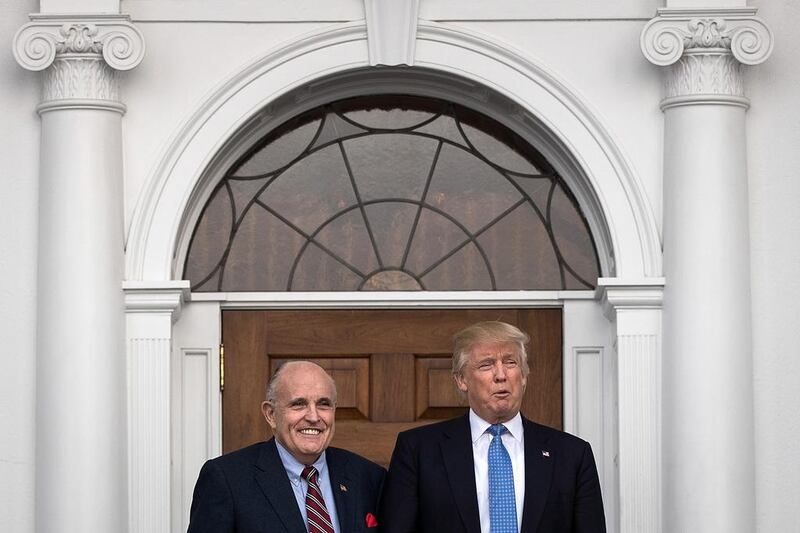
column 312, row 415
column 499, row 371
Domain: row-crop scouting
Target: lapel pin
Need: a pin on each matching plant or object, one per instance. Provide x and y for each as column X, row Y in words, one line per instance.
column 545, row 453
column 342, row 488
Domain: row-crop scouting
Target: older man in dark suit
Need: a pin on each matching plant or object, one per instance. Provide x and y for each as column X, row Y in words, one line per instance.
column 295, row 482
column 491, row 471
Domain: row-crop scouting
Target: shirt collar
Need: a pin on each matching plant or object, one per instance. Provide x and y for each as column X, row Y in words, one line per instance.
column 478, row 426
column 294, row 467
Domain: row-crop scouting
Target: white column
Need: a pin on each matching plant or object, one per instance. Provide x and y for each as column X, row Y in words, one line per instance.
column 708, row 390
column 635, row 308
column 80, row 397
column 151, row 309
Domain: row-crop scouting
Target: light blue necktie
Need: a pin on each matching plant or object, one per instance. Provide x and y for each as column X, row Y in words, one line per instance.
column 502, row 503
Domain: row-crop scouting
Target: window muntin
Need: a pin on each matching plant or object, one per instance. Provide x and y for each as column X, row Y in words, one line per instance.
column 391, row 193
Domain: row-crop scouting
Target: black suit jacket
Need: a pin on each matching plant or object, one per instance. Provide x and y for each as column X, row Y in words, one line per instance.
column 431, row 482
column 248, row 491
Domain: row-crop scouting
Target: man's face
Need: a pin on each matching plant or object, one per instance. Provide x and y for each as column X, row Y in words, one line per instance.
column 302, row 417
column 493, row 381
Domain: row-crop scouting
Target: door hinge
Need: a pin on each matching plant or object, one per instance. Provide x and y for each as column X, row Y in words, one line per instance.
column 221, row 367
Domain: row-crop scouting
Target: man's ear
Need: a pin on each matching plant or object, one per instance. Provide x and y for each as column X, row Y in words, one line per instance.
column 460, row 383
column 268, row 410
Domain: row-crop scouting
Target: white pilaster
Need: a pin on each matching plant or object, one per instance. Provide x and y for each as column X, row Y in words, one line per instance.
column 707, row 385
column 80, row 396
column 635, row 308
column 151, row 310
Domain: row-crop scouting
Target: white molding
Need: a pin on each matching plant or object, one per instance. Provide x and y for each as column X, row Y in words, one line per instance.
column 204, row 133
column 393, row 300
column 585, row 333
column 634, row 305
column 245, row 11
column 391, row 31
column 196, row 402
column 536, row 76
column 615, row 294
column 81, row 103
column 158, row 221
column 254, row 11
column 154, row 297
column 406, row 81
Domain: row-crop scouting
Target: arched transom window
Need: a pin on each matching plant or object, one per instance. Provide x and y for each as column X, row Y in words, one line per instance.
column 391, row 192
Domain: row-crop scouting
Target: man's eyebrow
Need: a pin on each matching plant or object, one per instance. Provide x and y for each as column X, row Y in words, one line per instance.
column 297, row 401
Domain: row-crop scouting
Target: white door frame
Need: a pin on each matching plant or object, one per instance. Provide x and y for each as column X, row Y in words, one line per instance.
column 609, row 192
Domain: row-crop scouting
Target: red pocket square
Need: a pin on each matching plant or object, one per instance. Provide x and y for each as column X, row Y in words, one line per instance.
column 371, row 520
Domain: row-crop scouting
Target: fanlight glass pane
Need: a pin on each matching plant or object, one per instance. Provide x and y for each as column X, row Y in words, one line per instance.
column 386, row 193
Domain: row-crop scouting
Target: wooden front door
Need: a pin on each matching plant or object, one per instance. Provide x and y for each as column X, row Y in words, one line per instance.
column 392, row 368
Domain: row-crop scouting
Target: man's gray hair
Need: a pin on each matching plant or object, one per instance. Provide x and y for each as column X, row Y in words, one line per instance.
column 493, row 332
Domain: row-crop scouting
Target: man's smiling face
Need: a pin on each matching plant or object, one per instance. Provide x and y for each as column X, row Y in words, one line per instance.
column 302, row 413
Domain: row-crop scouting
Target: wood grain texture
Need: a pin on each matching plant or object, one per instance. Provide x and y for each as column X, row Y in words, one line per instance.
column 247, row 369
column 392, row 368
column 392, row 387
column 543, row 401
column 436, row 389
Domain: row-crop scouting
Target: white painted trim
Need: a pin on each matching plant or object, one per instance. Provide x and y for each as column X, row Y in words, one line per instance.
column 634, row 306
column 477, row 67
column 589, row 134
column 615, row 294
column 153, row 228
column 158, row 297
column 405, row 81
column 391, row 31
column 250, row 11
column 393, row 300
column 160, row 219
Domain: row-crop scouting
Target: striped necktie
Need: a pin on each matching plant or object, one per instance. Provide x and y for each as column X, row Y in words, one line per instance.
column 319, row 521
column 502, row 503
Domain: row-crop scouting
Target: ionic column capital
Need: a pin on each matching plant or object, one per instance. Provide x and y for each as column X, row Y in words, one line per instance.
column 81, row 55
column 37, row 43
column 704, row 50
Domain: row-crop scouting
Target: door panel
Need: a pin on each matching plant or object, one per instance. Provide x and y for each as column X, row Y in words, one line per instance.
column 391, row 367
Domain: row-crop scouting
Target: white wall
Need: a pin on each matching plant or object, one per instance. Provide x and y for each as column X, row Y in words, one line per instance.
column 600, row 59
column 183, row 64
column 774, row 165
column 19, row 170
column 602, row 62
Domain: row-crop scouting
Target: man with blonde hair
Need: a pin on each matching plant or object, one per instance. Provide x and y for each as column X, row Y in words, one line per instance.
column 492, row 470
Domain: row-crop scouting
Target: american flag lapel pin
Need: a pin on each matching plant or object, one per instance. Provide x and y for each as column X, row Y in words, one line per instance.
column 342, row 488
column 545, row 453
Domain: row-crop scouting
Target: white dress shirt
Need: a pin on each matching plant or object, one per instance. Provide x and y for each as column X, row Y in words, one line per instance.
column 300, row 486
column 514, row 442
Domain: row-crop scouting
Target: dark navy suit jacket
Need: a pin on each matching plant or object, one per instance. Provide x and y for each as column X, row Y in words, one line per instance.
column 248, row 491
column 430, row 486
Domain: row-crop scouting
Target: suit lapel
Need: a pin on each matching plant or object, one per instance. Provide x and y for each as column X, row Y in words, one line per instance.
column 345, row 491
column 274, row 483
column 456, row 449
column 538, row 475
